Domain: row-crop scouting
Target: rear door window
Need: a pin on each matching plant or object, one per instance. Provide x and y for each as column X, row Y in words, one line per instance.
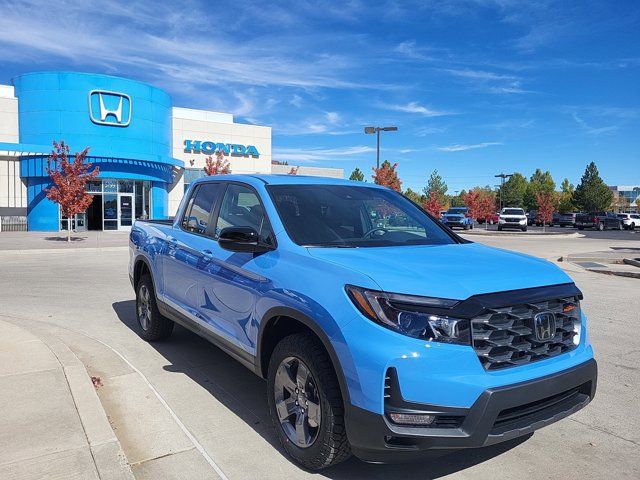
column 196, row 215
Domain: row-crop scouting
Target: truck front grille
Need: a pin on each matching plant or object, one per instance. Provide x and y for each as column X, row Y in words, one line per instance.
column 506, row 337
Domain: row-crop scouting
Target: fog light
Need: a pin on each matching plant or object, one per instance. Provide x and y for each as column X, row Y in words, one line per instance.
column 411, row 418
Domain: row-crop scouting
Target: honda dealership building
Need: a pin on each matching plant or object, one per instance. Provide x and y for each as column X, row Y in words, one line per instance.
column 147, row 149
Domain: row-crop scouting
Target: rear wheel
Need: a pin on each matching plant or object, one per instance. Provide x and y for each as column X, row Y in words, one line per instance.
column 600, row 226
column 499, row 228
column 153, row 325
column 305, row 403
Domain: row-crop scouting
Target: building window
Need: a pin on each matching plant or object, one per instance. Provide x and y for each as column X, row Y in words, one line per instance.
column 191, row 175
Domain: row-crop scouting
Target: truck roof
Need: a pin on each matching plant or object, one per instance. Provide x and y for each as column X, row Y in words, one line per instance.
column 283, row 179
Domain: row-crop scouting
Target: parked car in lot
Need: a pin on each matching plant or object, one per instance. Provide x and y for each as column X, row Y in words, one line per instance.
column 532, row 216
column 456, row 217
column 512, row 218
column 374, row 340
column 568, row 219
column 491, row 220
column 599, row 221
column 630, row 221
column 555, row 219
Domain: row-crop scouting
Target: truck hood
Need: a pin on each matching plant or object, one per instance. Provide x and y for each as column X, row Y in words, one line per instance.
column 456, row 271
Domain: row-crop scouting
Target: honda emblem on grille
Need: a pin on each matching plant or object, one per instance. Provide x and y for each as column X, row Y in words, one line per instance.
column 544, row 326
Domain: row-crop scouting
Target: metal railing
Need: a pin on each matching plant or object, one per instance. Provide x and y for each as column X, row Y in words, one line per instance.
column 13, row 223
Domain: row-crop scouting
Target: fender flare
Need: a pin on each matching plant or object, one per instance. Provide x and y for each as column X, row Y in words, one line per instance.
column 142, row 258
column 275, row 312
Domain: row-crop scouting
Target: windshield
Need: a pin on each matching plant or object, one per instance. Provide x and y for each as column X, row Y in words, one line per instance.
column 350, row 216
column 513, row 211
column 457, row 211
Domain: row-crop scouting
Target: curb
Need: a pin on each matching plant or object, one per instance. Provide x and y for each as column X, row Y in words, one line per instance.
column 63, row 250
column 108, row 456
column 492, row 233
column 615, row 273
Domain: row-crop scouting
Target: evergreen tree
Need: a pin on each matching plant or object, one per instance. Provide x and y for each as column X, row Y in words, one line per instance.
column 592, row 194
column 457, row 200
column 538, row 183
column 357, row 175
column 437, row 185
column 565, row 202
column 513, row 191
column 414, row 196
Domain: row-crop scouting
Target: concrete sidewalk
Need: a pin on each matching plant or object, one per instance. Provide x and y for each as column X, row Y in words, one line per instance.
column 52, row 424
column 32, row 242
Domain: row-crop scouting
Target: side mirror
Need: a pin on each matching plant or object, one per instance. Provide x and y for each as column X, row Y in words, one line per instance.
column 242, row 239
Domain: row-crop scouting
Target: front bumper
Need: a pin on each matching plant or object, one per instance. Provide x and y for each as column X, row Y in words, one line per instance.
column 498, row 415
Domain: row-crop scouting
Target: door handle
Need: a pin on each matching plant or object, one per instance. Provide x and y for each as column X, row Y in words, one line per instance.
column 207, row 254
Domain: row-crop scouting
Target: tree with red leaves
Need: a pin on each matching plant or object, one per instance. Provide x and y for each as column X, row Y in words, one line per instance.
column 481, row 204
column 432, row 204
column 70, row 179
column 387, row 176
column 546, row 207
column 219, row 166
column 293, row 171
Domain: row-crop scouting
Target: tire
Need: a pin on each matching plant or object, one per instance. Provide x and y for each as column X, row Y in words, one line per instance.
column 632, row 226
column 154, row 326
column 580, row 228
column 499, row 228
column 524, row 229
column 600, row 227
column 327, row 444
column 466, row 226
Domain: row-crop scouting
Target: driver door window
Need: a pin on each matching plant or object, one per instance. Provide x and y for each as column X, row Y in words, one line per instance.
column 241, row 207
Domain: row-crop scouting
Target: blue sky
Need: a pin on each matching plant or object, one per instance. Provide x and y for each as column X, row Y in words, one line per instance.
column 475, row 87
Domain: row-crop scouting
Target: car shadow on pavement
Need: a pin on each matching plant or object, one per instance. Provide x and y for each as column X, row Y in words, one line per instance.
column 244, row 394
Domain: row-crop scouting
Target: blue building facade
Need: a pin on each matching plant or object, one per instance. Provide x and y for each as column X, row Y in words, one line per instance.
column 127, row 126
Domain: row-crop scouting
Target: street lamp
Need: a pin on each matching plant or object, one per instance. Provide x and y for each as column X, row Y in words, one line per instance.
column 502, row 177
column 377, row 130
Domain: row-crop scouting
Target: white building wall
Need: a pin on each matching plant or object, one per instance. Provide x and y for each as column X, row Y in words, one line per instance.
column 13, row 191
column 190, row 124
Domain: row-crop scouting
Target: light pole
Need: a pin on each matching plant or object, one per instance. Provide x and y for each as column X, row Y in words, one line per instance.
column 502, row 177
column 377, row 130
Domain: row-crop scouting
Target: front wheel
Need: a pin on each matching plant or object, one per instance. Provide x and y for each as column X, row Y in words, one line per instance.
column 305, row 403
column 153, row 325
column 524, row 229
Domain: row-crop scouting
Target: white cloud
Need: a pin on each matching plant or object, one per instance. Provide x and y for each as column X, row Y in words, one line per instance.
column 462, row 148
column 296, row 100
column 319, row 154
column 415, row 107
column 332, row 117
column 595, row 131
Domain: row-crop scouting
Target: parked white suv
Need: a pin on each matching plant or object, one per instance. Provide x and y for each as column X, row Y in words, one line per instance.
column 630, row 220
column 512, row 218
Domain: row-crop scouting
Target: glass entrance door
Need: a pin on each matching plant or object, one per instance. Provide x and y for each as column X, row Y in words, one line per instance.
column 125, row 208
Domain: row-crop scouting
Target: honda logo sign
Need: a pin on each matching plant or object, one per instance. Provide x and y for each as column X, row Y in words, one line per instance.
column 110, row 108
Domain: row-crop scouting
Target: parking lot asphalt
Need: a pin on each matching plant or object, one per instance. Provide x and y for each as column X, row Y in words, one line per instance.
column 213, row 413
column 589, row 233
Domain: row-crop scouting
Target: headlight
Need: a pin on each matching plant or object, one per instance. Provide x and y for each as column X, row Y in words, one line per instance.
column 414, row 316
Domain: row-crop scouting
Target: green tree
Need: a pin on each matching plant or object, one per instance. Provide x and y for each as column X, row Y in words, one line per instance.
column 414, row 196
column 565, row 202
column 437, row 185
column 592, row 194
column 357, row 175
column 538, row 183
column 513, row 191
column 458, row 200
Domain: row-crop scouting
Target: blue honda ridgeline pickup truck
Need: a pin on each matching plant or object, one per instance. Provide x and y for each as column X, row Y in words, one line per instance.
column 376, row 340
